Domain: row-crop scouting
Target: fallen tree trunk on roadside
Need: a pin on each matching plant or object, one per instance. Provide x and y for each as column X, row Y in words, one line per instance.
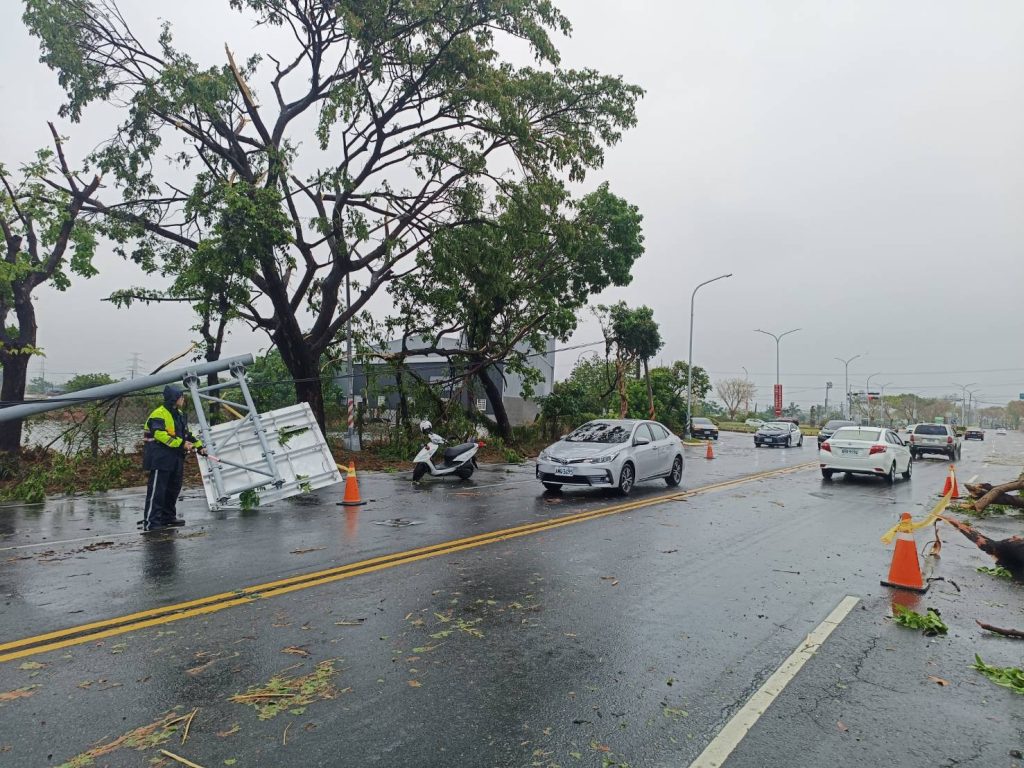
column 1009, row 553
column 978, row 490
column 985, row 494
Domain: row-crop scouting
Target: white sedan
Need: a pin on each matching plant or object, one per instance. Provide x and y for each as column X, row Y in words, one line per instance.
column 866, row 451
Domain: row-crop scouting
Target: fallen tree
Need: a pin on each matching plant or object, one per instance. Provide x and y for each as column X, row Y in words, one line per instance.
column 1008, row 553
column 986, row 493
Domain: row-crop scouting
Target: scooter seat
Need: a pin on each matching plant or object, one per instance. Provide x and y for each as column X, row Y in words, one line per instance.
column 451, row 453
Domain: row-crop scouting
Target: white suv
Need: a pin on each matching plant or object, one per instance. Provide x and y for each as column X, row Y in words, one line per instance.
column 934, row 438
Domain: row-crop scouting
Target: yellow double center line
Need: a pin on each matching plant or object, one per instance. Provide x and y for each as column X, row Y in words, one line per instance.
column 133, row 622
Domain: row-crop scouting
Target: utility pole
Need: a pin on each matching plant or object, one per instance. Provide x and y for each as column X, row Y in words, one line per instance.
column 867, row 392
column 963, row 399
column 846, row 366
column 828, row 386
column 881, row 403
column 778, row 383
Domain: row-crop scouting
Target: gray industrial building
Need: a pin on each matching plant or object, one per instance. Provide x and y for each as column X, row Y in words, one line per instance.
column 378, row 390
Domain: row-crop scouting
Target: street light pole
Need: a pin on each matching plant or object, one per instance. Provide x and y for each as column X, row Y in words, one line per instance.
column 777, row 338
column 963, row 398
column 746, row 400
column 846, row 367
column 689, row 363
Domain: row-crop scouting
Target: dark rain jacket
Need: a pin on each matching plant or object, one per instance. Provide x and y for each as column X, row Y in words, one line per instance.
column 166, row 433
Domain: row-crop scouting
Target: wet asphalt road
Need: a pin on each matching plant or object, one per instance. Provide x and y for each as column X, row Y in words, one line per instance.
column 629, row 639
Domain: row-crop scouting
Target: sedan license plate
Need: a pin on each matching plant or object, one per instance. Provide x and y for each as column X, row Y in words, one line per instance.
column 563, row 471
column 850, row 451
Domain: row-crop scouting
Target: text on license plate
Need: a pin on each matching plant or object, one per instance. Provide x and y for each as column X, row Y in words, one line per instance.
column 563, row 471
column 850, row 451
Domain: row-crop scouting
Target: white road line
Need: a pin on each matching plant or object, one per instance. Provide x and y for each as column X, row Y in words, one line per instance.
column 718, row 751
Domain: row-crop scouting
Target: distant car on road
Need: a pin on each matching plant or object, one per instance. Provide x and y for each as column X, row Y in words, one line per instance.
column 784, row 433
column 974, row 433
column 935, row 438
column 866, row 451
column 831, row 426
column 1001, row 431
column 754, row 422
column 612, row 453
column 703, row 428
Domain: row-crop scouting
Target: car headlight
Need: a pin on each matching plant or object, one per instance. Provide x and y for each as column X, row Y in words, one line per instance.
column 544, row 456
column 603, row 459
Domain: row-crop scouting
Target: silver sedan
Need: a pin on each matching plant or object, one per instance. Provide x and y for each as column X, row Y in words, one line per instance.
column 612, row 453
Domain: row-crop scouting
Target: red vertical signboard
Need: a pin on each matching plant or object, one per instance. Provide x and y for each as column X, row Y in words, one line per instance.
column 778, row 400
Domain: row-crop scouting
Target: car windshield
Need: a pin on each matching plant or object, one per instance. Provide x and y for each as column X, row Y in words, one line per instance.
column 865, row 434
column 777, row 425
column 837, row 424
column 600, row 432
column 703, row 421
column 930, row 429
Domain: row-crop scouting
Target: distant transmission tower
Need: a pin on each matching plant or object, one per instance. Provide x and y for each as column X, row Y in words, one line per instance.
column 134, row 365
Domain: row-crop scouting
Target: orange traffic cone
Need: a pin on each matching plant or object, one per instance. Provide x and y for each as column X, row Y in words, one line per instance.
column 951, row 484
column 905, row 571
column 710, row 454
column 352, row 488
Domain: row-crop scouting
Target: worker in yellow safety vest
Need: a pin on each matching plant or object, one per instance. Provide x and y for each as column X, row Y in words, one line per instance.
column 167, row 441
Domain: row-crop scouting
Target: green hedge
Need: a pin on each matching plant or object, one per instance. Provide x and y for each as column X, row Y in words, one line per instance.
column 738, row 426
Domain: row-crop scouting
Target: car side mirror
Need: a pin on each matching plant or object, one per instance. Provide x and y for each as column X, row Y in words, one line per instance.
column 641, row 441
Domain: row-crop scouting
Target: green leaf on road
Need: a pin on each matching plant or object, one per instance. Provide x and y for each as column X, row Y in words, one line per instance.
column 1007, row 677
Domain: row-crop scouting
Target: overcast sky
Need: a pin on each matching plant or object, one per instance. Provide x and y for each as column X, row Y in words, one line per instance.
column 857, row 166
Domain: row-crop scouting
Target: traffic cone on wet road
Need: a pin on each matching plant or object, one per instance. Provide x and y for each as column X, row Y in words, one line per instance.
column 352, row 488
column 951, row 484
column 710, row 453
column 905, row 571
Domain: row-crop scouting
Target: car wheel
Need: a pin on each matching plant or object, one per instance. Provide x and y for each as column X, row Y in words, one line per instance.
column 826, row 474
column 913, row 455
column 910, row 469
column 951, row 455
column 891, row 477
column 553, row 487
column 626, row 479
column 789, row 442
column 675, row 477
column 801, row 443
column 418, row 472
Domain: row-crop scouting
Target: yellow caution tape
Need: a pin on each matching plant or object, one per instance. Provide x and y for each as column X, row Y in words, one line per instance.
column 915, row 525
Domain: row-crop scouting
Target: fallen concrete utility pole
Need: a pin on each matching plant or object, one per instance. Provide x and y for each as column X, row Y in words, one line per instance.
column 107, row 391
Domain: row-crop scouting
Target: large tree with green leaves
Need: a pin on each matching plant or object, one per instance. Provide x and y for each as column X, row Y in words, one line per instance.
column 45, row 240
column 373, row 127
column 517, row 278
column 631, row 336
column 590, row 393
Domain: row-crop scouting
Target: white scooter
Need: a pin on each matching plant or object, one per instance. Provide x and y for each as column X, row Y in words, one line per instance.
column 459, row 460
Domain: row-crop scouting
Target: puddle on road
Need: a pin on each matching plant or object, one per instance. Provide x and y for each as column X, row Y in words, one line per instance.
column 397, row 522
